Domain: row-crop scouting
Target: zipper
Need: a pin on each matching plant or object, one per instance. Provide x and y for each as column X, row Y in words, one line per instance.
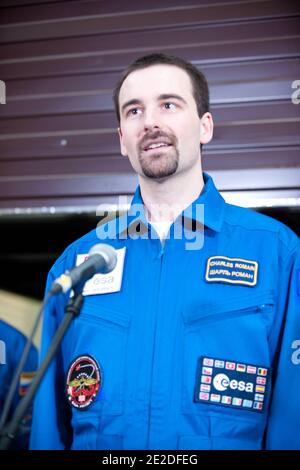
column 160, row 257
column 194, row 321
column 233, row 306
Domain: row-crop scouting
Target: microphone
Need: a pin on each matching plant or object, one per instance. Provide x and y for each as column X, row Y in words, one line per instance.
column 101, row 259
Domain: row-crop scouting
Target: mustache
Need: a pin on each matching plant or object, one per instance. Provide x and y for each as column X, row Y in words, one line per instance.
column 154, row 135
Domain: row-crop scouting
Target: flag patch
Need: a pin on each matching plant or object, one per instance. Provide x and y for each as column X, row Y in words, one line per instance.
column 235, row 384
column 25, row 381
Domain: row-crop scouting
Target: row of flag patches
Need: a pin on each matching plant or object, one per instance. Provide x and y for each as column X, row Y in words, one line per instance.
column 235, row 401
column 235, row 366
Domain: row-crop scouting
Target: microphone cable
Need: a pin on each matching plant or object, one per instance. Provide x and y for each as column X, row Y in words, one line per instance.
column 104, row 262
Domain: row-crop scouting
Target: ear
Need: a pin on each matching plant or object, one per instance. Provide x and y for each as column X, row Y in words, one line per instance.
column 122, row 146
column 206, row 128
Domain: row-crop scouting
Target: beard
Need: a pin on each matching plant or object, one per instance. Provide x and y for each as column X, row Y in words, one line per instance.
column 160, row 162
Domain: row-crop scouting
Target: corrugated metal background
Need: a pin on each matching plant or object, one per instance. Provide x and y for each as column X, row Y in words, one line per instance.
column 60, row 60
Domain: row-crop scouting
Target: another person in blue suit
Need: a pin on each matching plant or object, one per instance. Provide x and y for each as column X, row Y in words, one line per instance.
column 15, row 322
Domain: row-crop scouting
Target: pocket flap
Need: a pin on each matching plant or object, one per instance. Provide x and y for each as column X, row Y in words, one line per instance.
column 238, row 304
column 97, row 312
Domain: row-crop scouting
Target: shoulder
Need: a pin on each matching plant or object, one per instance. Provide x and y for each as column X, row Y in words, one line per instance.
column 10, row 332
column 260, row 225
column 83, row 245
column 80, row 246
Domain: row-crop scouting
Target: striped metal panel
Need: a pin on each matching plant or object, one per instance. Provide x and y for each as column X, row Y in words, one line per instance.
column 59, row 60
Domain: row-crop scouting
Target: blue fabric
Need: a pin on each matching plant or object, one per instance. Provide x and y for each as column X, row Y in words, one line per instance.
column 12, row 345
column 148, row 338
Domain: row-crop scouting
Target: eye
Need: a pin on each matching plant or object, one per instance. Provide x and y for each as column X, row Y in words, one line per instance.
column 169, row 105
column 133, row 111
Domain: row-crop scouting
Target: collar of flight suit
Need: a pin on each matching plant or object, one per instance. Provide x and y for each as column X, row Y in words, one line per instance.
column 210, row 200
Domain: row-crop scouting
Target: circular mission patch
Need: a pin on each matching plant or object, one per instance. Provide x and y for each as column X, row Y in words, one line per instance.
column 83, row 382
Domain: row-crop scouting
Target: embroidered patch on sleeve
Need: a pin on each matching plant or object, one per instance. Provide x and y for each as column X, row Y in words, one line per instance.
column 83, row 382
column 231, row 270
column 235, row 384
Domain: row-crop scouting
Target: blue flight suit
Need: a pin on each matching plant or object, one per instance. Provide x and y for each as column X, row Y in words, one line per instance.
column 200, row 348
column 12, row 344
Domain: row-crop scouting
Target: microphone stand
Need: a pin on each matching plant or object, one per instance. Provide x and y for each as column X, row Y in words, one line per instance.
column 72, row 310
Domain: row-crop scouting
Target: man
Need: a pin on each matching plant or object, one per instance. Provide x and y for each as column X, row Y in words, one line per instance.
column 194, row 342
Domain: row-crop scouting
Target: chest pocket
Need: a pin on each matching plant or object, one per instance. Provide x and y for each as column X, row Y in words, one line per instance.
column 103, row 333
column 238, row 332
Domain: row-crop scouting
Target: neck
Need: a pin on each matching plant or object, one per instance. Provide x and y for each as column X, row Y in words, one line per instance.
column 165, row 199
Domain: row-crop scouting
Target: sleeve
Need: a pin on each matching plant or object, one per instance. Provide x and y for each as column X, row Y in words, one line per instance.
column 51, row 428
column 284, row 418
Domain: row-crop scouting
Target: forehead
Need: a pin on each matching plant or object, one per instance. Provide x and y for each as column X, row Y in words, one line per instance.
column 156, row 80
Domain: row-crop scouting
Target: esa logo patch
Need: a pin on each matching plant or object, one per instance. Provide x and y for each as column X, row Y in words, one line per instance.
column 230, row 383
column 83, row 382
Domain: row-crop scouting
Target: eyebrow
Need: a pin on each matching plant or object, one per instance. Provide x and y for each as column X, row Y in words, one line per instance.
column 165, row 96
column 172, row 96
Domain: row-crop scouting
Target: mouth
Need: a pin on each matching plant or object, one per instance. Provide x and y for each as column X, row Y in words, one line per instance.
column 156, row 145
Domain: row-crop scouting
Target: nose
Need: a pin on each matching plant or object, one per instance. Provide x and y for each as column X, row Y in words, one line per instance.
column 151, row 119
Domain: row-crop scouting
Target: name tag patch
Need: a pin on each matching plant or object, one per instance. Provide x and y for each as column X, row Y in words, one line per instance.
column 234, row 384
column 231, row 270
column 104, row 283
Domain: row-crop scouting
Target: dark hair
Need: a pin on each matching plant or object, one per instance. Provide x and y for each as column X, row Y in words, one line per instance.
column 199, row 82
